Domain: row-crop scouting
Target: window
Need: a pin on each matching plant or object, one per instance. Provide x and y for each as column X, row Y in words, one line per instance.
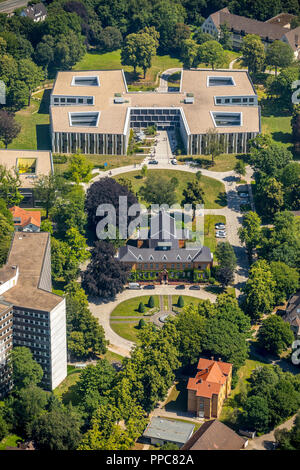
column 85, row 81
column 80, row 100
column 227, row 119
column 62, row 100
column 71, row 100
column 56, row 100
column 220, row 81
column 89, row 101
column 87, row 119
column 236, row 100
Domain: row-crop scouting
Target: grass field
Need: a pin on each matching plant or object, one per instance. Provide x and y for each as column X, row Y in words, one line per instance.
column 126, row 330
column 112, row 61
column 187, row 299
column 34, row 120
column 130, row 307
column 10, row 440
column 214, row 191
column 279, row 127
column 224, row 162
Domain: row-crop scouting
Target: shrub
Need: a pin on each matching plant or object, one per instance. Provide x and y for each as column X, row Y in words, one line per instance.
column 180, row 302
column 151, row 302
column 141, row 308
column 142, row 323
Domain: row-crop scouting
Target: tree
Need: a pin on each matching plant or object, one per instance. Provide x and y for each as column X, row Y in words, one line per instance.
column 30, row 74
column 78, row 245
column 191, row 328
column 151, row 301
column 99, row 377
column 182, row 32
column 180, row 302
column 225, row 36
column 25, row 370
column 226, row 263
column 257, row 414
column 28, row 403
column 275, row 335
column 270, row 160
column 269, row 196
column 250, row 231
column 189, row 53
column 200, row 37
column 141, row 307
column 46, row 190
column 6, row 233
column 212, row 53
column 110, row 39
column 213, row 143
column 281, row 86
column 59, row 429
column 138, row 49
column 240, row 168
column 289, row 440
column 18, row 95
column 9, row 187
column 142, row 323
column 159, row 190
column 144, row 171
column 253, row 53
column 279, row 54
column 107, row 191
column 44, row 55
column 9, row 128
column 286, row 280
column 105, row 276
column 46, row 226
column 259, row 291
column 193, row 194
column 79, row 169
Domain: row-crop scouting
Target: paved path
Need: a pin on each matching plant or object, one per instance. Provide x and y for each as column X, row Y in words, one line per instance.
column 10, row 5
column 266, row 441
column 102, row 311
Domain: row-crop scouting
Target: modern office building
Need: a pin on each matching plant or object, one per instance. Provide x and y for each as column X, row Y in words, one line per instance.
column 92, row 112
column 30, row 314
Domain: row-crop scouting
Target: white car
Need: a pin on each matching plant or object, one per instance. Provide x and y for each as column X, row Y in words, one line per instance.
column 220, row 226
column 221, row 234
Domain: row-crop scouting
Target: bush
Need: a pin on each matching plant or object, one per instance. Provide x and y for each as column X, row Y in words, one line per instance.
column 59, row 159
column 141, row 307
column 151, row 302
column 180, row 302
column 212, row 280
column 142, row 323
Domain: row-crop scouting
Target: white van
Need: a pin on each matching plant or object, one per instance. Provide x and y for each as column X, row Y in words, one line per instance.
column 134, row 285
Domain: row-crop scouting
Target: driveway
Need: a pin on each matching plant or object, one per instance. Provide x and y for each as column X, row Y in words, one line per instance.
column 266, row 441
column 102, row 311
column 9, row 6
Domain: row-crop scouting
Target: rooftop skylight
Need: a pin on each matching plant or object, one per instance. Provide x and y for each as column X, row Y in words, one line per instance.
column 87, row 119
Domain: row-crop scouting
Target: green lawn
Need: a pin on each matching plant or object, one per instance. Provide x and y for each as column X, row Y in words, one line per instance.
column 10, row 440
column 112, row 61
column 34, row 120
column 224, row 162
column 126, row 330
column 279, row 127
column 209, row 230
column 187, row 299
column 233, row 401
column 214, row 191
column 113, row 161
column 130, row 307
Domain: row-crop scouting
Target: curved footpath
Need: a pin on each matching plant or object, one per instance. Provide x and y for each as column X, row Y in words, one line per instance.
column 103, row 311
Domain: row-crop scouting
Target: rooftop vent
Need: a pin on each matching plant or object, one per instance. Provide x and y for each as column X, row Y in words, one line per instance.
column 220, row 81
column 85, row 81
column 189, row 100
column 119, row 100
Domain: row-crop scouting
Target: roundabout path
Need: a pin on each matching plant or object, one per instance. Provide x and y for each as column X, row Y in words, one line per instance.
column 102, row 311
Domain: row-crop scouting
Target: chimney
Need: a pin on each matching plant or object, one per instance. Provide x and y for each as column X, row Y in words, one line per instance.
column 220, row 359
column 212, row 358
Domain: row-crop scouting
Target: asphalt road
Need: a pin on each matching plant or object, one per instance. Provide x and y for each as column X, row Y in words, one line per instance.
column 10, row 5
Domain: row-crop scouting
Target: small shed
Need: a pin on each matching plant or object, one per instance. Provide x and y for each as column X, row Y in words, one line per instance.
column 163, row 430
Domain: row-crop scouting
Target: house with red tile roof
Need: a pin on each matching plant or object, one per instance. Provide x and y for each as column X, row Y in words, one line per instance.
column 209, row 388
column 26, row 221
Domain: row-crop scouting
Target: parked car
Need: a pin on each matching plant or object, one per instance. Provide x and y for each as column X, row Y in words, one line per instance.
column 153, row 162
column 134, row 285
column 243, row 194
column 221, row 235
column 173, row 161
column 220, row 226
column 180, row 286
column 149, row 286
column 195, row 287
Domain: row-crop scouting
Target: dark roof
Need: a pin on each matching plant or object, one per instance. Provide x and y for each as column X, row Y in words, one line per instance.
column 214, row 435
column 34, row 11
column 178, row 255
column 292, row 311
column 248, row 25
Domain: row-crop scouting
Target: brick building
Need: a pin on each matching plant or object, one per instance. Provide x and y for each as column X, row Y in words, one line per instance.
column 209, row 388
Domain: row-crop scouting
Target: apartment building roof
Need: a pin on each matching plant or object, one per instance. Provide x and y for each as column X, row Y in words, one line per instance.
column 271, row 30
column 113, row 117
column 23, row 217
column 168, row 430
column 214, row 435
column 28, row 253
column 210, row 377
column 39, row 162
column 293, row 38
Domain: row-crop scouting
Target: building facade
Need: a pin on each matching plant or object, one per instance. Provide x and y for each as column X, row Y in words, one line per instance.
column 92, row 112
column 32, row 316
column 209, row 388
